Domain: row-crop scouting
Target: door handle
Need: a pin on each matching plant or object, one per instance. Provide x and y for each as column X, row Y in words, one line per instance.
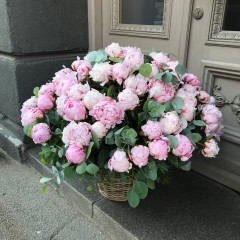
column 198, row 13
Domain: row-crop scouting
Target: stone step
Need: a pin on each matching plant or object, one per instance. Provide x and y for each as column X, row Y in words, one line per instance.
column 191, row 207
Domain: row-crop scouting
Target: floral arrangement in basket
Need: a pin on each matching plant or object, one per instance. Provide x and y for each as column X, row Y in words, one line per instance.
column 123, row 117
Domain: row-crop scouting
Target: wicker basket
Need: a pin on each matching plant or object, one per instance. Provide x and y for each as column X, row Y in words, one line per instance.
column 116, row 190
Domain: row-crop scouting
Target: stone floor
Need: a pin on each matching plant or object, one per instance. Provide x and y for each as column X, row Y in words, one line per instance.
column 28, row 214
column 192, row 207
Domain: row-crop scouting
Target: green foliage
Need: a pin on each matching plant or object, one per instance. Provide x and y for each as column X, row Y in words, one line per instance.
column 89, row 149
column 177, row 103
column 173, row 141
column 92, row 168
column 115, row 60
column 133, row 198
column 187, row 166
column 97, row 56
column 180, row 69
column 145, row 70
column 28, row 129
column 199, row 123
column 81, row 168
column 140, row 188
column 167, row 77
column 35, row 91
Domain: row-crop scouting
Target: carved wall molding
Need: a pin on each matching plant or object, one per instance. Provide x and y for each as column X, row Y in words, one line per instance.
column 218, row 36
column 157, row 31
column 213, row 70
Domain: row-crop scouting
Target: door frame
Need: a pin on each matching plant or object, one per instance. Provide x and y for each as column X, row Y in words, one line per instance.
column 95, row 24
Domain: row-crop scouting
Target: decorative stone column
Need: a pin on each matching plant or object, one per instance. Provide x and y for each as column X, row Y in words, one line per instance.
column 36, row 39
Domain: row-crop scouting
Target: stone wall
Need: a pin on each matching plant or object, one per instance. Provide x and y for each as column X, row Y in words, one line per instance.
column 36, row 39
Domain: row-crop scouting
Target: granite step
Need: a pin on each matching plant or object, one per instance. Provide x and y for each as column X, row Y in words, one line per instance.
column 191, row 207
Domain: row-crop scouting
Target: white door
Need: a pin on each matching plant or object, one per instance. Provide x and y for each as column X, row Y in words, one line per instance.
column 214, row 56
column 148, row 24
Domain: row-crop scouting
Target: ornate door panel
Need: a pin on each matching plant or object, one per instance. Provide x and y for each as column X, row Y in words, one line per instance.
column 214, row 55
column 159, row 24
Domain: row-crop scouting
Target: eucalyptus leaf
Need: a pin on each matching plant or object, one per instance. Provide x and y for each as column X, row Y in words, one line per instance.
column 187, row 166
column 89, row 149
column 35, row 91
column 180, row 69
column 177, row 103
column 45, row 179
column 141, row 189
column 114, row 59
column 95, row 140
column 133, row 198
column 81, row 168
column 145, row 70
column 151, row 184
column 92, row 168
column 199, row 123
column 173, row 141
column 167, row 77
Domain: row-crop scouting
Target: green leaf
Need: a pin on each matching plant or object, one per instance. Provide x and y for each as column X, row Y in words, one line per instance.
column 58, row 180
column 167, row 77
column 109, row 139
column 119, row 131
column 168, row 106
column 28, row 129
column 58, row 131
column 152, row 105
column 69, row 172
column 145, row 70
column 35, row 91
column 92, row 168
column 114, row 59
column 145, row 105
column 65, row 165
column 101, row 56
column 177, row 103
column 111, row 91
column 194, row 137
column 158, row 111
column 133, row 198
column 173, row 140
column 95, row 140
column 187, row 166
column 173, row 160
column 174, row 80
column 142, row 116
column 159, row 75
column 44, row 188
column 141, row 189
column 180, row 69
column 199, row 123
column 54, row 170
column 152, row 174
column 45, row 179
column 81, row 168
column 89, row 149
column 150, row 184
column 91, row 56
column 90, row 188
column 61, row 152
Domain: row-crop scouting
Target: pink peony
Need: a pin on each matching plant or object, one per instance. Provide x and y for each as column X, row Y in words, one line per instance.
column 108, row 112
column 190, row 102
column 139, row 155
column 30, row 103
column 119, row 162
column 29, row 115
column 101, row 72
column 45, row 102
column 64, row 80
column 172, row 124
column 127, row 99
column 190, row 79
column 213, row 119
column 159, row 148
column 114, row 50
column 137, row 84
column 153, row 130
column 79, row 133
column 82, row 67
column 99, row 129
column 78, row 91
column 212, row 100
column 120, row 72
column 160, row 91
column 75, row 154
column 71, row 109
column 210, row 148
column 41, row 133
column 203, row 97
column 190, row 88
column 184, row 149
column 133, row 57
column 159, row 58
column 47, row 89
column 92, row 98
column 173, row 64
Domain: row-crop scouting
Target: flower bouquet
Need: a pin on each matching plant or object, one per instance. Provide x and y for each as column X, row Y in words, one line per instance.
column 124, row 118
